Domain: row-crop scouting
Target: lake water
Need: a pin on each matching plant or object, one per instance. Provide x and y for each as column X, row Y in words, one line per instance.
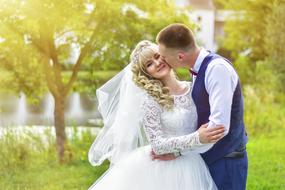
column 80, row 109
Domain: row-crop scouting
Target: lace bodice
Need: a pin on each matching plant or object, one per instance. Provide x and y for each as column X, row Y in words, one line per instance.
column 174, row 130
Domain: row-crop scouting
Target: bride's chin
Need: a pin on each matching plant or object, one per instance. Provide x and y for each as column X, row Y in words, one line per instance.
column 166, row 71
column 163, row 76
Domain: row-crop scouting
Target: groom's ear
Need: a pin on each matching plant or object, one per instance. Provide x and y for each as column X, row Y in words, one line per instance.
column 181, row 56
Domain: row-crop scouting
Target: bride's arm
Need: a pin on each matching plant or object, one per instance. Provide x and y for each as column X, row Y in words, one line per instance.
column 159, row 142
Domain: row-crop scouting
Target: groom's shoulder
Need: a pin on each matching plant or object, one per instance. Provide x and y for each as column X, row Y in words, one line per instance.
column 219, row 60
column 220, row 64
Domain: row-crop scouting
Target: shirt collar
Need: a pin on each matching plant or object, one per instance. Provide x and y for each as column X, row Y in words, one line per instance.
column 202, row 54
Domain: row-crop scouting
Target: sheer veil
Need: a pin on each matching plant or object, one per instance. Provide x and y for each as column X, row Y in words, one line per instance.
column 119, row 102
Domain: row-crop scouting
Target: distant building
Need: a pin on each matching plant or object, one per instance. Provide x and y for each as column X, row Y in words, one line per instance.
column 209, row 19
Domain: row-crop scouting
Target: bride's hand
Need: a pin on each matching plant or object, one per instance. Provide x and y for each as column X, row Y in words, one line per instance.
column 163, row 157
column 211, row 135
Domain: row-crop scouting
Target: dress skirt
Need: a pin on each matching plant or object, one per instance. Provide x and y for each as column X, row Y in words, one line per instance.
column 137, row 171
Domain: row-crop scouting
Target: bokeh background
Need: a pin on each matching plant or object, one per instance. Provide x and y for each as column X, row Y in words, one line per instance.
column 54, row 54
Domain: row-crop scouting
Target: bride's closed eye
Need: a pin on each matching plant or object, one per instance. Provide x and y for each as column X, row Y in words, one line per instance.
column 149, row 63
column 156, row 56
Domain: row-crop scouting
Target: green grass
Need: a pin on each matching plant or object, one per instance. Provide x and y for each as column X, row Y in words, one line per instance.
column 25, row 164
column 266, row 162
column 51, row 176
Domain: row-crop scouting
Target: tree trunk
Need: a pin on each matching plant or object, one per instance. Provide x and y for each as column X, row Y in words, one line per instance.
column 60, row 127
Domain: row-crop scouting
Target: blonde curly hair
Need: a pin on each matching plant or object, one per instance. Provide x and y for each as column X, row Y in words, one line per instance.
column 143, row 52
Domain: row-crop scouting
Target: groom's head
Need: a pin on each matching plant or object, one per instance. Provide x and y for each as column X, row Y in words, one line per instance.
column 177, row 45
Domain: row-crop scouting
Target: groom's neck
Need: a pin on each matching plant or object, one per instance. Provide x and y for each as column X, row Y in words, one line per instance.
column 193, row 55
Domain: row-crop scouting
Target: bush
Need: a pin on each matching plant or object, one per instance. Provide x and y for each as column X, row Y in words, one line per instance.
column 264, row 105
column 28, row 161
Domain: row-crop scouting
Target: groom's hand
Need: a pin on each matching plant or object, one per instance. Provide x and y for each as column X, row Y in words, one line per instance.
column 163, row 157
column 211, row 135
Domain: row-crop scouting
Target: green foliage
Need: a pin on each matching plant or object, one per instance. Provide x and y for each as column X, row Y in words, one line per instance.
column 38, row 40
column 245, row 70
column 183, row 74
column 24, row 147
column 254, row 33
column 127, row 22
column 246, row 28
column 264, row 109
column 263, row 114
column 30, row 32
column 275, row 39
column 255, row 37
column 27, row 164
column 87, row 82
column 34, row 33
column 28, row 161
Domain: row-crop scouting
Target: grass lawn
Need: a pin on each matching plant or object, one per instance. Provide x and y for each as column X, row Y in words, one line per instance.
column 266, row 162
column 51, row 176
column 34, row 171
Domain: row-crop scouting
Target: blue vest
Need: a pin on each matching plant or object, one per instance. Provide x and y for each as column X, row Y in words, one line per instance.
column 237, row 136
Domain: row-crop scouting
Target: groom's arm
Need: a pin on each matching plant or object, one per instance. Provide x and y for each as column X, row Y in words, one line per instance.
column 220, row 82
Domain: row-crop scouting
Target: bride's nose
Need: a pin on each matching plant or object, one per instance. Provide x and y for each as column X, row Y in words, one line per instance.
column 162, row 60
column 157, row 63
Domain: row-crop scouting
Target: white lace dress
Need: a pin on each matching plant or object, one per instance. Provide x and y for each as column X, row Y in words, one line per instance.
column 167, row 132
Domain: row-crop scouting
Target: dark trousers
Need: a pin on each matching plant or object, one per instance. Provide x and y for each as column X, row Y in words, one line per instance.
column 230, row 173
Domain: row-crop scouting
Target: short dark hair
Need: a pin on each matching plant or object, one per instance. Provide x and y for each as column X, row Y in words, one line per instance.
column 177, row 36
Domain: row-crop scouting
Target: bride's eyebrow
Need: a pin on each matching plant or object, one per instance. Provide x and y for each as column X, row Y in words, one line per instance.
column 156, row 55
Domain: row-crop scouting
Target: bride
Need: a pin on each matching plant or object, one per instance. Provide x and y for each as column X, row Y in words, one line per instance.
column 146, row 109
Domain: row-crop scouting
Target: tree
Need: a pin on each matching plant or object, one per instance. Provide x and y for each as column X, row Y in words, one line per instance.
column 38, row 40
column 246, row 29
column 255, row 33
column 275, row 40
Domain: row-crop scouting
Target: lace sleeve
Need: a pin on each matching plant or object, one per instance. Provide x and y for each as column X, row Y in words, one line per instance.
column 153, row 129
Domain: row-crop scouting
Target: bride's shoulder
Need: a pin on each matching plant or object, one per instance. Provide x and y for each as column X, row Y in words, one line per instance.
column 150, row 103
column 148, row 99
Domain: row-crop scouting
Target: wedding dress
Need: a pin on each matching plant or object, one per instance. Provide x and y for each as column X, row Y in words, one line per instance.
column 166, row 132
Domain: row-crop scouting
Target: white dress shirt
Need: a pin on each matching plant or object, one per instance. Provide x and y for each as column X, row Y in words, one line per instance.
column 220, row 82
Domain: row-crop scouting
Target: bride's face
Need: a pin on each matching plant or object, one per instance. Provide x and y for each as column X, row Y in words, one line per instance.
column 156, row 67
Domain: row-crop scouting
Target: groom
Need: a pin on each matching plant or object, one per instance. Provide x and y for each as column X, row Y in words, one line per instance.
column 218, row 98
